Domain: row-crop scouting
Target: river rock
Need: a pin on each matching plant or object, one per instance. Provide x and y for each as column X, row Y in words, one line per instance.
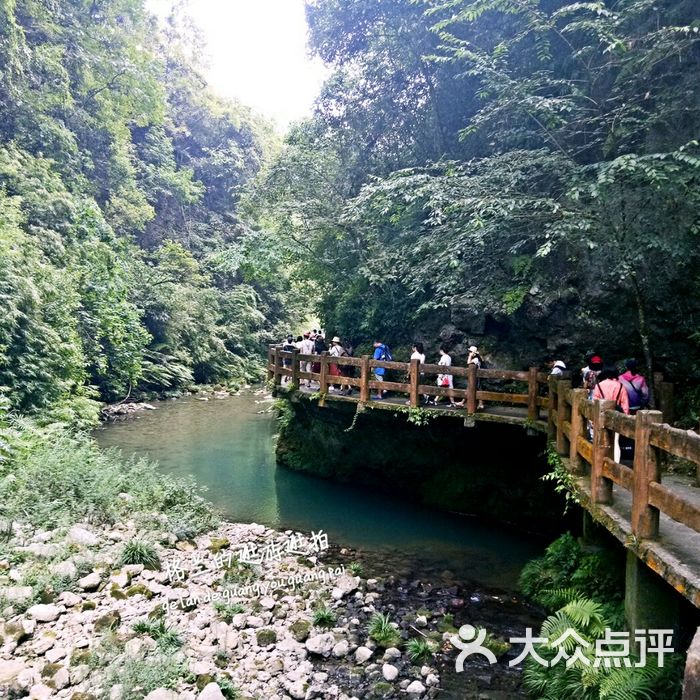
column 390, row 672
column 81, row 536
column 344, row 585
column 211, row 692
column 9, row 670
column 416, row 688
column 61, row 678
column 391, row 653
column 431, row 679
column 321, row 644
column 421, row 621
column 363, row 654
column 341, row 649
column 90, row 582
column 69, row 599
column 55, row 654
column 44, row 613
column 161, row 694
column 40, row 692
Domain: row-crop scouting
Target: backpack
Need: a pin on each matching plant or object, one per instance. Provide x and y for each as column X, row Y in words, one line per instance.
column 590, row 380
column 319, row 346
column 635, row 393
column 386, row 355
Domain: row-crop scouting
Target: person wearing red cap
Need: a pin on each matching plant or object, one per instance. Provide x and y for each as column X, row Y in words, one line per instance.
column 590, row 373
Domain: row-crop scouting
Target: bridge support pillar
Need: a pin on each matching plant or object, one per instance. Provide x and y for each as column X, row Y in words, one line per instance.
column 691, row 678
column 650, row 603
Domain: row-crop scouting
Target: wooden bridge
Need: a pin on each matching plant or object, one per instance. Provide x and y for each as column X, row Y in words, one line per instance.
column 654, row 513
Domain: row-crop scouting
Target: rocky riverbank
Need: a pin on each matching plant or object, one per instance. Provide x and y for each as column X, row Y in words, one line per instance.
column 198, row 622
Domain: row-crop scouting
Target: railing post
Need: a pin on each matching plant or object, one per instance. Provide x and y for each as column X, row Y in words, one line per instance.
column 270, row 360
column 278, row 367
column 364, row 379
column 532, row 411
column 601, row 487
column 552, row 403
column 471, row 388
column 563, row 444
column 296, row 368
column 414, row 381
column 577, row 424
column 663, row 394
column 323, row 384
column 647, row 468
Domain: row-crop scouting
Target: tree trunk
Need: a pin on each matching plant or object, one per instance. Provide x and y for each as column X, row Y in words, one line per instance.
column 644, row 336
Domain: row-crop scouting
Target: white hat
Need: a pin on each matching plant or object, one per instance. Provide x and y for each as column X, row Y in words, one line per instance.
column 336, row 339
column 473, row 348
column 559, row 364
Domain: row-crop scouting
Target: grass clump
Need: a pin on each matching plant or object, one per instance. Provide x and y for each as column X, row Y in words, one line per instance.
column 167, row 637
column 323, row 617
column 355, row 568
column 420, row 651
column 226, row 611
column 383, row 632
column 138, row 677
column 140, row 552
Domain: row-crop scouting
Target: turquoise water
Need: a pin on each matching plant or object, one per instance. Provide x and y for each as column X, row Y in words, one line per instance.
column 228, row 446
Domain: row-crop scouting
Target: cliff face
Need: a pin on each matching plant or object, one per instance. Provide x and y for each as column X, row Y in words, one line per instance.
column 491, row 471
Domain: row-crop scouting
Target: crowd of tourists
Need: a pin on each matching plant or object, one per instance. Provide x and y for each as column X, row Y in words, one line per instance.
column 629, row 389
column 314, row 343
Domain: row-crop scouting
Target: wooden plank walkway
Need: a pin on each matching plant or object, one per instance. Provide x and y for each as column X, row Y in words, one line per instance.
column 656, row 516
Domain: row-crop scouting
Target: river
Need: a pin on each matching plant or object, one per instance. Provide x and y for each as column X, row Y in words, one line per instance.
column 227, row 445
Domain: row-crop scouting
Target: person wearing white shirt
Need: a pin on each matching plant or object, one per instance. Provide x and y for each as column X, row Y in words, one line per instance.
column 306, row 347
column 445, row 380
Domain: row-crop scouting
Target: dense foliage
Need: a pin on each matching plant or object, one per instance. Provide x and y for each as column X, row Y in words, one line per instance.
column 124, row 264
column 519, row 173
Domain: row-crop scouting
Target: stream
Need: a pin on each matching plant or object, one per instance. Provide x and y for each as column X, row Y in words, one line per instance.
column 227, row 445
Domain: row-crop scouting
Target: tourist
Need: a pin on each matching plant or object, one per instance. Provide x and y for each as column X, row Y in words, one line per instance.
column 337, row 350
column 419, row 354
column 557, row 368
column 445, row 380
column 589, row 374
column 636, row 387
column 474, row 358
column 383, row 354
column 609, row 387
column 288, row 346
column 307, row 348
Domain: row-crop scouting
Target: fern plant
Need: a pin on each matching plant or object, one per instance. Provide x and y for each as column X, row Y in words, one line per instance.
column 581, row 680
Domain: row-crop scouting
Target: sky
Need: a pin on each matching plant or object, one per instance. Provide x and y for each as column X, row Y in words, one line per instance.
column 257, row 54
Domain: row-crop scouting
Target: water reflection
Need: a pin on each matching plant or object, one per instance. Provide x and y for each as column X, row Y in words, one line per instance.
column 227, row 445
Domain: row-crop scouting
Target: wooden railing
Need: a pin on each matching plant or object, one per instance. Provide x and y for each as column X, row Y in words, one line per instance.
column 569, row 414
column 417, row 380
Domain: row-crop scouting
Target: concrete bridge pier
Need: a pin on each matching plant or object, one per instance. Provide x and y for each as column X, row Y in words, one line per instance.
column 650, row 603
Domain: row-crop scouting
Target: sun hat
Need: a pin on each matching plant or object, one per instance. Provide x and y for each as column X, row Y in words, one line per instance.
column 473, row 348
column 336, row 339
column 559, row 364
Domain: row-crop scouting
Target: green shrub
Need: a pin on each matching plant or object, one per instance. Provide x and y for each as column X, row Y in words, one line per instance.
column 323, row 617
column 383, row 632
column 566, row 566
column 140, row 552
column 226, row 611
column 581, row 679
column 167, row 637
column 45, row 461
column 355, row 568
column 138, row 677
column 420, row 651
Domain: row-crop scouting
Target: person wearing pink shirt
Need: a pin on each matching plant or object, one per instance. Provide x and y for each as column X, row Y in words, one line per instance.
column 609, row 387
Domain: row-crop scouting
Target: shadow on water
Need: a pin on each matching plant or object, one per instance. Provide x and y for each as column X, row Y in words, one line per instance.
column 227, row 445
